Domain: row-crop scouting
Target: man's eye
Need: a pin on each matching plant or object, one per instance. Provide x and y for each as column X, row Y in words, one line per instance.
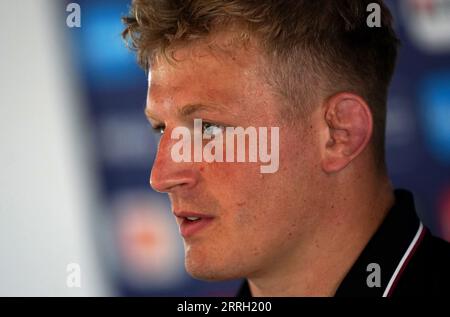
column 159, row 129
column 212, row 129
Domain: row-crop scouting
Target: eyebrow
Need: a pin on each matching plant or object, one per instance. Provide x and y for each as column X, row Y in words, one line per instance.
column 185, row 111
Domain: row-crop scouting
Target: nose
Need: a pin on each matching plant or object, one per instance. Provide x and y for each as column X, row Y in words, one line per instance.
column 168, row 176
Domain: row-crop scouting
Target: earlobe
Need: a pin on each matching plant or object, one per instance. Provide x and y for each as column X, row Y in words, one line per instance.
column 348, row 125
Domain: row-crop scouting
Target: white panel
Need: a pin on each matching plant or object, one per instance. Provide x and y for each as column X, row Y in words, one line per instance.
column 48, row 193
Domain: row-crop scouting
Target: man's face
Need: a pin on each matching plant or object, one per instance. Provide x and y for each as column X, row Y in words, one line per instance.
column 258, row 220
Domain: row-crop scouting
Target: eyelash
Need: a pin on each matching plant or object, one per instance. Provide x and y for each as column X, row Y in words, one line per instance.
column 159, row 129
column 209, row 124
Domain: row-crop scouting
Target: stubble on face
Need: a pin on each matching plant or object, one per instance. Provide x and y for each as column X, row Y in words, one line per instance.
column 259, row 219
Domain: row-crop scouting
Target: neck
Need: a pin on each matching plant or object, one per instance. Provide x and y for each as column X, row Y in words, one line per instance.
column 326, row 254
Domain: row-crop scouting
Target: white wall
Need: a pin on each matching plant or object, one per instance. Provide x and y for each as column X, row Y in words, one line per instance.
column 48, row 192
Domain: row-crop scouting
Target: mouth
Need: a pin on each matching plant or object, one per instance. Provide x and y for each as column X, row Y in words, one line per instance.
column 191, row 223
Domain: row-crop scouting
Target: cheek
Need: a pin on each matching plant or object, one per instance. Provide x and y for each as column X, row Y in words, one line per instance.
column 238, row 186
column 234, row 185
column 248, row 199
column 299, row 155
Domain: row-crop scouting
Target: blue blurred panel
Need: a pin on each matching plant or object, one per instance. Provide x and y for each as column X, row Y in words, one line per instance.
column 105, row 60
column 435, row 114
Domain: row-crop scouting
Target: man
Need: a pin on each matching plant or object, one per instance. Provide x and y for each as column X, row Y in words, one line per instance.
column 327, row 222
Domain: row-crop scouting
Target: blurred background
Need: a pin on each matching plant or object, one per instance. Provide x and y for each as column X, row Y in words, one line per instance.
column 76, row 150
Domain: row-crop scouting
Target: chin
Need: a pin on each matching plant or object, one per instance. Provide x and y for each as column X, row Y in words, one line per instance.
column 214, row 271
column 207, row 272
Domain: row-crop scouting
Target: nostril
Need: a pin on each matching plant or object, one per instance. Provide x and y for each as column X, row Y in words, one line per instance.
column 167, row 184
column 177, row 186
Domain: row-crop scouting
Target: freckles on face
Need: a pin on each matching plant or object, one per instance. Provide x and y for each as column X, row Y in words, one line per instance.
column 253, row 212
column 256, row 214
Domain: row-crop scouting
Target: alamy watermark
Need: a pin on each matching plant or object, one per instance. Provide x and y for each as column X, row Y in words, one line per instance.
column 222, row 141
column 73, row 19
column 374, row 278
column 374, row 18
column 73, row 279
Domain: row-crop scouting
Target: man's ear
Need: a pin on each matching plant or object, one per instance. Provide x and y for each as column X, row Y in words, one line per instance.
column 348, row 130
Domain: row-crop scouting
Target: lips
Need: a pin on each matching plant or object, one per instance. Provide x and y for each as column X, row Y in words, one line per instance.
column 192, row 223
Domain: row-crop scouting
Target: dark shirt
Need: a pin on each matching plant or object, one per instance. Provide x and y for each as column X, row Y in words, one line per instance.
column 401, row 259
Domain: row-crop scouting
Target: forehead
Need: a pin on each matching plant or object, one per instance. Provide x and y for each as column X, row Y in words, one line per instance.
column 223, row 53
column 207, row 75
